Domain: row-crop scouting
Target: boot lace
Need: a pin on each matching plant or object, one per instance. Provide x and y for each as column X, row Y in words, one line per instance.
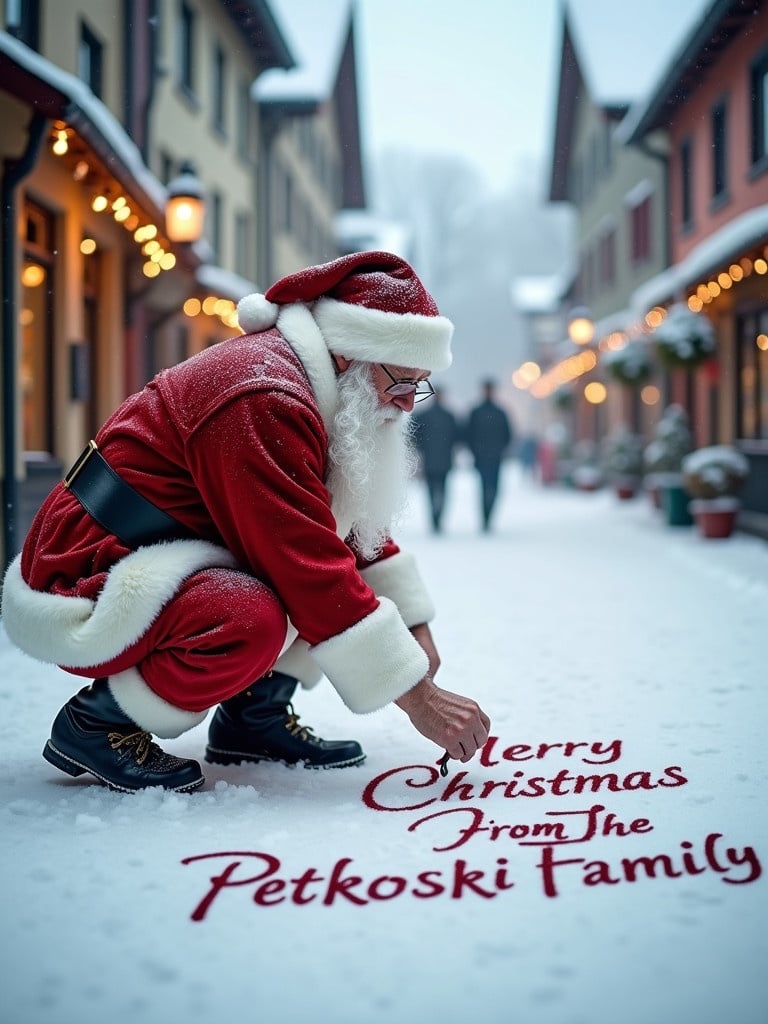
column 293, row 726
column 141, row 742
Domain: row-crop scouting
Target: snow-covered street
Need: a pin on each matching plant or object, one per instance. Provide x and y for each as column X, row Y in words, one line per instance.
column 603, row 861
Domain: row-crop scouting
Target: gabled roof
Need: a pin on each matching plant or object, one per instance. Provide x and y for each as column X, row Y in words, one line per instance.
column 571, row 86
column 323, row 39
column 317, row 32
column 257, row 26
column 722, row 20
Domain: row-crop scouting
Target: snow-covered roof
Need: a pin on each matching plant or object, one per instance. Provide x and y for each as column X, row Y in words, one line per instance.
column 316, row 32
column 726, row 244
column 540, row 293
column 359, row 230
column 224, row 283
column 89, row 113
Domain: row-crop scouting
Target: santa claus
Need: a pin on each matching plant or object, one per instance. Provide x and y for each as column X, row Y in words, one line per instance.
column 228, row 534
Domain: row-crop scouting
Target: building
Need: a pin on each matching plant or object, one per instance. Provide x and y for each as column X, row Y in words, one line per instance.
column 110, row 109
column 311, row 158
column 712, row 104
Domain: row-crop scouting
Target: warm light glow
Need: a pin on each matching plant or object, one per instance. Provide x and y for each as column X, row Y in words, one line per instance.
column 209, row 305
column 151, row 269
column 131, row 222
column 655, row 316
column 714, row 289
column 736, row 272
column 695, row 304
column 157, row 255
column 61, row 145
column 746, row 265
column 184, row 218
column 724, row 280
column 192, row 307
column 650, row 395
column 149, row 247
column 122, row 214
column 762, row 342
column 81, row 170
column 563, row 372
column 595, row 392
column 761, row 266
column 88, row 246
column 26, row 318
column 167, row 261
column 581, row 329
column 99, row 203
column 119, row 203
column 33, row 275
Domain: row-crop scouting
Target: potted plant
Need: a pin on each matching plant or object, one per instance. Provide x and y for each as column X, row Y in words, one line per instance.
column 586, row 474
column 713, row 476
column 663, row 459
column 684, row 339
column 623, row 461
column 631, row 366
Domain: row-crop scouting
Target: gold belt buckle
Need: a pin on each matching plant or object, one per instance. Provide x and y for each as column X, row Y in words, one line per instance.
column 80, row 461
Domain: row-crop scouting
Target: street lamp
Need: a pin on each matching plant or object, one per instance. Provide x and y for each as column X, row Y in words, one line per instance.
column 581, row 328
column 185, row 209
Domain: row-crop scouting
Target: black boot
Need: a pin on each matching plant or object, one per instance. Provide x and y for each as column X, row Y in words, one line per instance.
column 260, row 724
column 91, row 734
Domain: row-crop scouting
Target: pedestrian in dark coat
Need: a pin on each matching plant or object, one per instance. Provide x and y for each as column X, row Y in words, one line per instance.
column 436, row 433
column 488, row 436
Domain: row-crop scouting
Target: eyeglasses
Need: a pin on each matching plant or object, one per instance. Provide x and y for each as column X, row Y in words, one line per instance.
column 420, row 389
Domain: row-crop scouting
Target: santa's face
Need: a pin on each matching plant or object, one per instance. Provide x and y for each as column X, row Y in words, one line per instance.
column 390, row 381
column 370, row 456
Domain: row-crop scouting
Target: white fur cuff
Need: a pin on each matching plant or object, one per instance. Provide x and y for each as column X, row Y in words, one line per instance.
column 397, row 578
column 147, row 709
column 373, row 662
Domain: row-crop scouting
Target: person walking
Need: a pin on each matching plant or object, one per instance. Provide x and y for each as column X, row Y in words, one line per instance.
column 226, row 536
column 436, row 432
column 488, row 435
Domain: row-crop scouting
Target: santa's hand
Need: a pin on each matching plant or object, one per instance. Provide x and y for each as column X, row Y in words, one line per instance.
column 455, row 723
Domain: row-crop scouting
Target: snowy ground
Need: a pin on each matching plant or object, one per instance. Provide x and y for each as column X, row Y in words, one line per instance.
column 603, row 644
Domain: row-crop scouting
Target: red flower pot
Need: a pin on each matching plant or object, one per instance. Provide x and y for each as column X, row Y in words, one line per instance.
column 715, row 519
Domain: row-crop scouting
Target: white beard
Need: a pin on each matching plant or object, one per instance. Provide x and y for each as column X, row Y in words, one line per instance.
column 371, row 459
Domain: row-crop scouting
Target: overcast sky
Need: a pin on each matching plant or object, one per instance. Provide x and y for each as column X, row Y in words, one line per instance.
column 478, row 79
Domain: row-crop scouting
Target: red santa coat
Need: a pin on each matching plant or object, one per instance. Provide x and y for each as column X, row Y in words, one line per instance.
column 233, row 444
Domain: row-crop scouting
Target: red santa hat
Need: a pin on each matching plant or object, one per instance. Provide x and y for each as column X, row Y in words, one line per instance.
column 369, row 306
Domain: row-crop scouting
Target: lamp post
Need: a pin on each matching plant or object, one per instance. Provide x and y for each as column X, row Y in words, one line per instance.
column 185, row 209
column 581, row 327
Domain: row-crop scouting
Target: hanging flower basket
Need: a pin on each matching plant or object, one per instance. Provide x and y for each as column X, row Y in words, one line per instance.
column 631, row 365
column 684, row 339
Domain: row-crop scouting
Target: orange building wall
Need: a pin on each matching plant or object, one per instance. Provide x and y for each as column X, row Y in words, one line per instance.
column 729, row 78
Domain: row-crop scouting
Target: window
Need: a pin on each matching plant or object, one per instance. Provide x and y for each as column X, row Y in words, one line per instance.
column 686, row 183
column 22, row 20
column 186, row 48
column 243, row 245
column 90, row 56
column 215, row 216
column 243, row 130
column 219, row 104
column 607, row 258
column 640, row 231
column 752, row 355
column 719, row 152
column 36, row 369
column 759, row 93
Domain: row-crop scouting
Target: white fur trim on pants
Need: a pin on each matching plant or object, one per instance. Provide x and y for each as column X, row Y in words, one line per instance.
column 77, row 632
column 149, row 711
column 398, row 578
column 373, row 662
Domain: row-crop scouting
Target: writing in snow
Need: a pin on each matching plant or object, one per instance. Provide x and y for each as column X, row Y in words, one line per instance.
column 420, row 788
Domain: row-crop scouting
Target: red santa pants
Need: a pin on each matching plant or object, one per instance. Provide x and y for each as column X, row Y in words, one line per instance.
column 222, row 630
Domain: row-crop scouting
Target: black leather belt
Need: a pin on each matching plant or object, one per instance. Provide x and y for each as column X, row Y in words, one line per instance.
column 115, row 505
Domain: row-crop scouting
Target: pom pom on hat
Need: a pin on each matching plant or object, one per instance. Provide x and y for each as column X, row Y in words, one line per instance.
column 369, row 306
column 256, row 313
